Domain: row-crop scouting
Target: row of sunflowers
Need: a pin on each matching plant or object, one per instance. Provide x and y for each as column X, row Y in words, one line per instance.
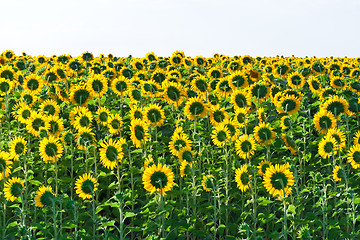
column 182, row 147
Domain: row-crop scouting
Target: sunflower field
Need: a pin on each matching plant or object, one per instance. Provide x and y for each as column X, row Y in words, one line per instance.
column 178, row 147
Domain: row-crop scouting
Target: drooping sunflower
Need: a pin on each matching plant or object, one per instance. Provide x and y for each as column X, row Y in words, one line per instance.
column 44, row 197
column 50, row 107
column 5, row 164
column 158, row 178
column 327, row 147
column 195, row 107
column 80, row 95
column 154, row 115
column 50, row 149
column 337, row 174
column 295, row 80
column 263, row 166
column 245, row 146
column 86, row 186
column 84, row 138
column 353, row 156
column 288, row 104
column 220, row 135
column 264, row 133
column 35, row 123
column 242, row 178
column 115, row 123
column 83, row 120
column 339, row 137
column 13, row 188
column 102, row 116
column 98, row 85
column 55, row 125
column 17, row 147
column 173, row 93
column 278, row 180
column 208, row 182
column 240, row 98
column 33, row 83
column 120, row 86
column 324, row 120
column 336, row 105
column 139, row 132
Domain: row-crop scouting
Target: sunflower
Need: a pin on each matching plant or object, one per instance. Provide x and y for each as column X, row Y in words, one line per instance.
column 327, row 147
column 13, row 188
column 339, row 137
column 111, row 153
column 260, row 91
column 178, row 141
column 338, row 83
column 50, row 149
column 253, row 74
column 77, row 111
column 208, row 182
column 84, row 138
column 135, row 94
column 337, row 174
column 241, row 117
column 220, row 135
column 324, row 120
column 240, row 98
column 354, row 86
column 296, row 80
column 139, row 132
column 356, row 138
column 35, row 123
column 245, row 146
column 278, row 180
column 23, row 112
column 148, row 162
column 17, row 147
column 137, row 64
column 98, row 85
column 83, row 120
column 195, row 107
column 6, row 86
column 173, row 93
column 232, row 127
column 215, row 73
column 8, row 72
column 263, row 166
column 154, row 115
column 353, row 156
column 80, row 95
column 200, row 85
column 288, row 104
column 9, row 54
column 44, row 196
column 285, row 122
column 242, row 178
column 336, row 105
column 281, row 69
column 109, row 73
column 200, row 61
column 158, row 178
column 115, row 123
column 264, row 133
column 289, row 142
column 102, row 116
column 223, row 87
column 158, row 76
column 86, row 186
column 120, row 86
column 50, row 107
column 55, row 125
column 185, row 168
column 218, row 115
column 325, row 93
column 151, row 57
column 33, row 83
column 5, row 164
column 314, row 84
column 238, row 79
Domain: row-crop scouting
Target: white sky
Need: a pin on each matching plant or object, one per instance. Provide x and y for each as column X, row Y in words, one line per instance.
column 197, row 27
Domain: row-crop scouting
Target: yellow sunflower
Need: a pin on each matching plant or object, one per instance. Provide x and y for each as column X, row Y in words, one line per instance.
column 208, row 182
column 200, row 85
column 55, row 125
column 179, row 140
column 44, row 196
column 289, row 142
column 264, row 133
column 6, row 86
column 139, row 132
column 35, row 123
column 173, row 93
column 154, row 115
column 22, row 113
column 238, row 79
column 336, row 105
column 240, row 98
column 295, row 80
column 195, row 107
column 220, row 135
column 98, row 85
column 158, row 178
column 260, row 91
column 136, row 113
column 263, row 166
column 242, row 178
column 339, row 137
column 33, row 83
column 353, row 156
column 84, row 138
column 111, row 153
column 285, row 122
column 13, row 188
column 5, row 164
column 80, row 95
column 120, row 86
column 17, row 147
column 337, row 174
column 314, row 84
column 50, row 149
column 245, row 146
column 50, row 107
column 83, row 120
column 86, row 186
column 327, row 147
column 115, row 123
column 278, row 180
column 218, row 115
column 288, row 104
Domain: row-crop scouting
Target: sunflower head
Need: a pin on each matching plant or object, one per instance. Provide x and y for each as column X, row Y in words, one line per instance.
column 264, row 133
column 13, row 188
column 158, row 178
column 243, row 178
column 278, row 180
column 208, row 182
column 86, row 186
column 44, row 197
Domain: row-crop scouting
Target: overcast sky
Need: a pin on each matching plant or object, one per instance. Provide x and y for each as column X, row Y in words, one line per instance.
column 197, row 27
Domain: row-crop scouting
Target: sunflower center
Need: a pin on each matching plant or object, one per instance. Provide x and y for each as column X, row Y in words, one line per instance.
column 87, row 187
column 138, row 114
column 49, row 109
column 97, row 86
column 25, row 114
column 136, row 94
column 179, row 143
column 246, row 146
column 47, row 198
column 264, row 134
column 4, row 87
column 103, row 116
column 81, row 96
column 33, row 84
column 2, row 164
column 159, row 77
column 315, row 84
column 86, row 139
column 221, row 136
column 19, row 148
column 16, row 189
column 356, row 157
column 279, row 180
column 329, row 147
column 37, row 123
column 28, row 99
column 154, row 115
column 139, row 132
column 201, row 85
column 231, row 129
column 240, row 100
column 234, row 66
column 336, row 108
column 173, row 93
column 138, row 66
column 50, row 77
column 354, row 106
column 84, row 121
column 215, row 74
column 7, row 75
column 288, row 105
column 238, row 80
column 158, row 179
column 54, row 127
column 51, row 149
column 213, row 84
column 259, row 91
column 196, row 108
column 115, row 124
column 287, row 122
column 224, row 86
column 187, row 156
column 282, row 69
column 209, row 182
column 109, row 74
column 264, row 167
column 121, row 86
column 318, row 67
column 219, row 116
column 245, row 178
column 111, row 153
column 296, row 80
column 150, row 88
column 325, row 122
column 241, row 117
column 338, row 83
